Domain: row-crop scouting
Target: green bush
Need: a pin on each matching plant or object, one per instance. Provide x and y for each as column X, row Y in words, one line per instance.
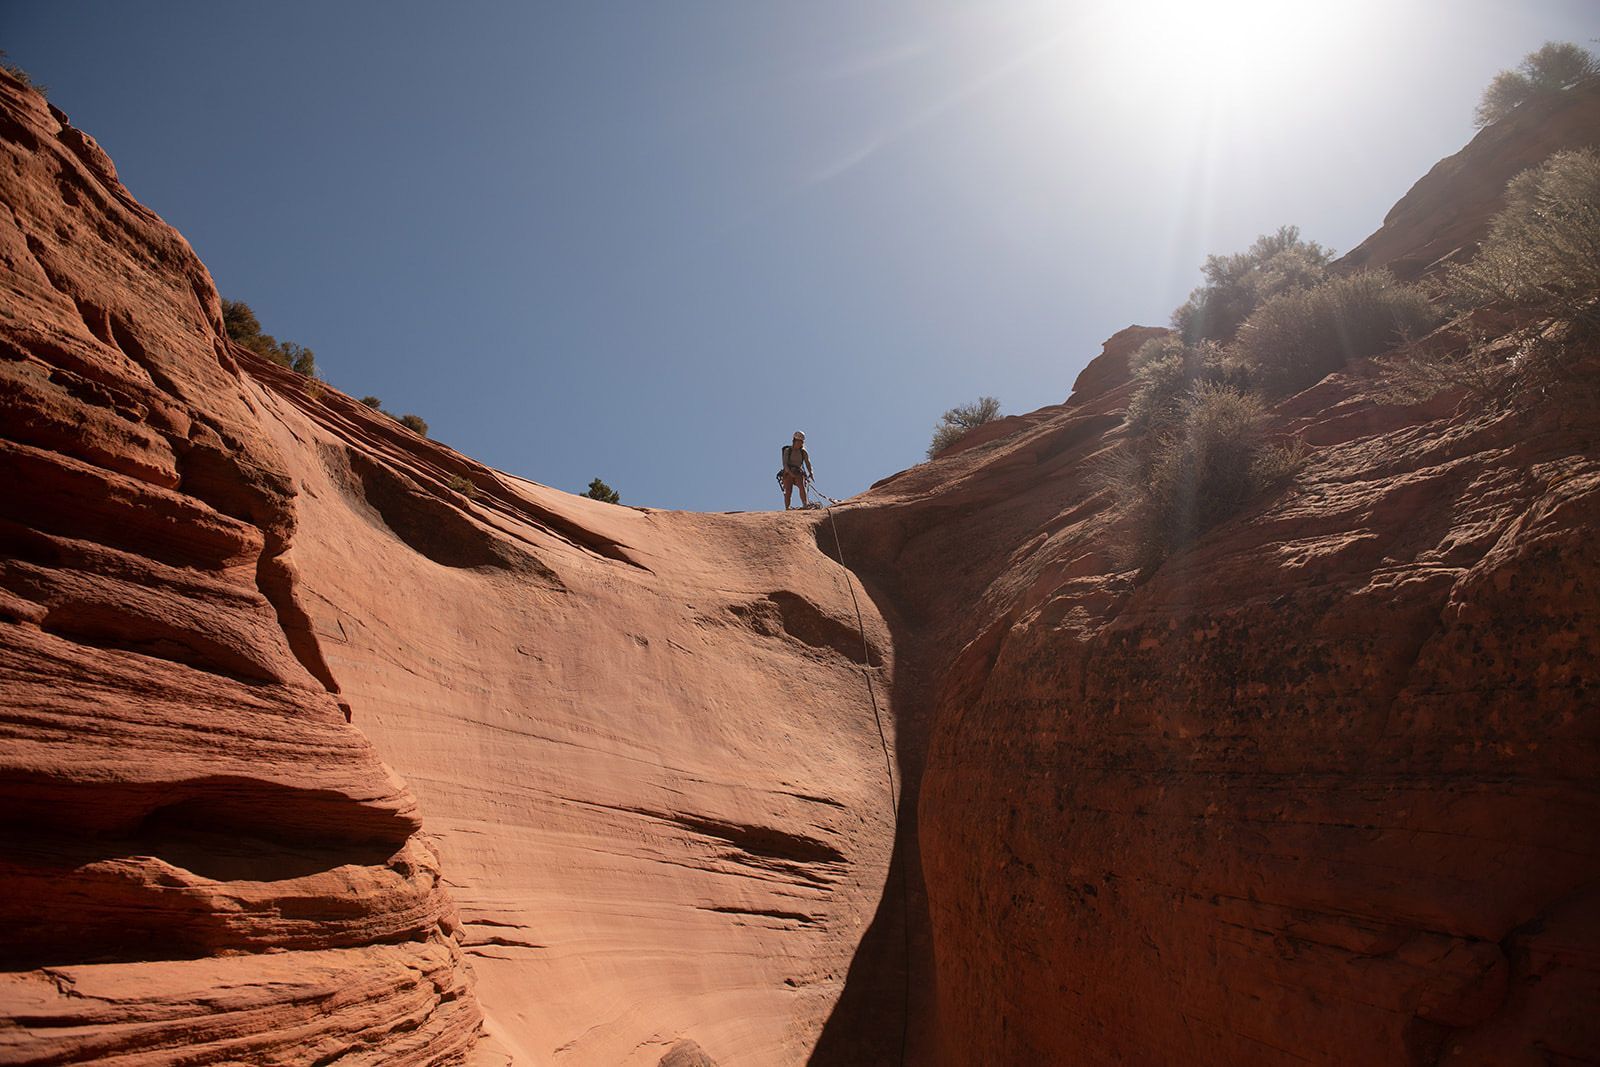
column 1543, row 249
column 599, row 490
column 1553, row 68
column 1213, row 460
column 1299, row 337
column 239, row 319
column 1237, row 284
column 372, row 402
column 414, row 423
column 245, row 329
column 954, row 424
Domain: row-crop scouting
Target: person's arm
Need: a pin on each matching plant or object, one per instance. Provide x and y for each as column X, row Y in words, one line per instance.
column 807, row 457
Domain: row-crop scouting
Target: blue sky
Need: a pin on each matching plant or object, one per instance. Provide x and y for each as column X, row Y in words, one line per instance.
column 647, row 241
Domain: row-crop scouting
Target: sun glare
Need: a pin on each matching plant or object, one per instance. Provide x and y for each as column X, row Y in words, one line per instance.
column 1221, row 51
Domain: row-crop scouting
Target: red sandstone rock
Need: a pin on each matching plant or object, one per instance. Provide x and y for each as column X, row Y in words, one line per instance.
column 643, row 741
column 1323, row 789
column 1320, row 790
column 178, row 784
column 1447, row 212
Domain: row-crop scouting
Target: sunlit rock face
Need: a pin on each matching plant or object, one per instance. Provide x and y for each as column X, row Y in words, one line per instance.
column 201, row 854
column 320, row 742
column 654, row 812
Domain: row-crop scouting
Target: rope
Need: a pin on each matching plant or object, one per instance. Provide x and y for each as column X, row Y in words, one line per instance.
column 888, row 768
column 866, row 671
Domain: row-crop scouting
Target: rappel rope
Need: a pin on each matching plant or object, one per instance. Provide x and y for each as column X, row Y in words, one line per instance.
column 888, row 765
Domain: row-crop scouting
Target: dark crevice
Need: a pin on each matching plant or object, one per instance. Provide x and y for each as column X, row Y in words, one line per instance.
column 765, row 841
column 501, row 942
column 118, row 872
column 427, row 524
column 106, row 626
column 272, row 811
column 18, row 134
column 766, row 913
column 808, row 798
column 782, row 612
column 275, row 578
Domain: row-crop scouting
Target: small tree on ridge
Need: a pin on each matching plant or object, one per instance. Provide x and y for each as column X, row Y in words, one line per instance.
column 954, row 424
column 1553, row 68
column 599, row 490
column 245, row 329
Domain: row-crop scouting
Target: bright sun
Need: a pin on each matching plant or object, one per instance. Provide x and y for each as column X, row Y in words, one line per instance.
column 1215, row 51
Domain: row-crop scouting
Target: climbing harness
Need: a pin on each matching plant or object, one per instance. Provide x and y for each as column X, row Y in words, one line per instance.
column 888, row 763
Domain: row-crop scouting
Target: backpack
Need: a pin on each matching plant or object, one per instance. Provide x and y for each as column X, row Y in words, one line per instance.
column 785, row 467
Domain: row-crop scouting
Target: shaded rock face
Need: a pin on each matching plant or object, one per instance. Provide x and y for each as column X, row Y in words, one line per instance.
column 1320, row 790
column 1446, row 213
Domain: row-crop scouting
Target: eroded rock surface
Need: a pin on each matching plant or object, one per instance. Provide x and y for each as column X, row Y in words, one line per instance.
column 181, row 792
column 233, row 599
column 1321, row 789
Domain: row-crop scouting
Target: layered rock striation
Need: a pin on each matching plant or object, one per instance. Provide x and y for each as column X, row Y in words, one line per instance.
column 320, row 742
column 202, row 857
column 233, row 599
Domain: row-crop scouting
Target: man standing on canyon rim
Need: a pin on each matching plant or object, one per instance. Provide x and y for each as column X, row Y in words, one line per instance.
column 796, row 469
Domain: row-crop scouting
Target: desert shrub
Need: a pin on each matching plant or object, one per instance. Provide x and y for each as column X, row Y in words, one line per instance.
column 300, row 359
column 21, row 75
column 240, row 321
column 1483, row 368
column 464, row 486
column 1213, row 460
column 1542, row 256
column 1543, row 249
column 415, row 423
column 1298, row 337
column 599, row 490
column 245, row 329
column 1165, row 372
column 1237, row 284
column 954, row 424
column 1553, row 68
column 1535, row 361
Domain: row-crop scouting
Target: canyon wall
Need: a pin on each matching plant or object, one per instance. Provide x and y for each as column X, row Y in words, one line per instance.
column 654, row 800
column 1323, row 788
column 321, row 742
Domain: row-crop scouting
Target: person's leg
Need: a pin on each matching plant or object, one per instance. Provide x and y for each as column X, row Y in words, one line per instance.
column 788, row 489
column 803, row 501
